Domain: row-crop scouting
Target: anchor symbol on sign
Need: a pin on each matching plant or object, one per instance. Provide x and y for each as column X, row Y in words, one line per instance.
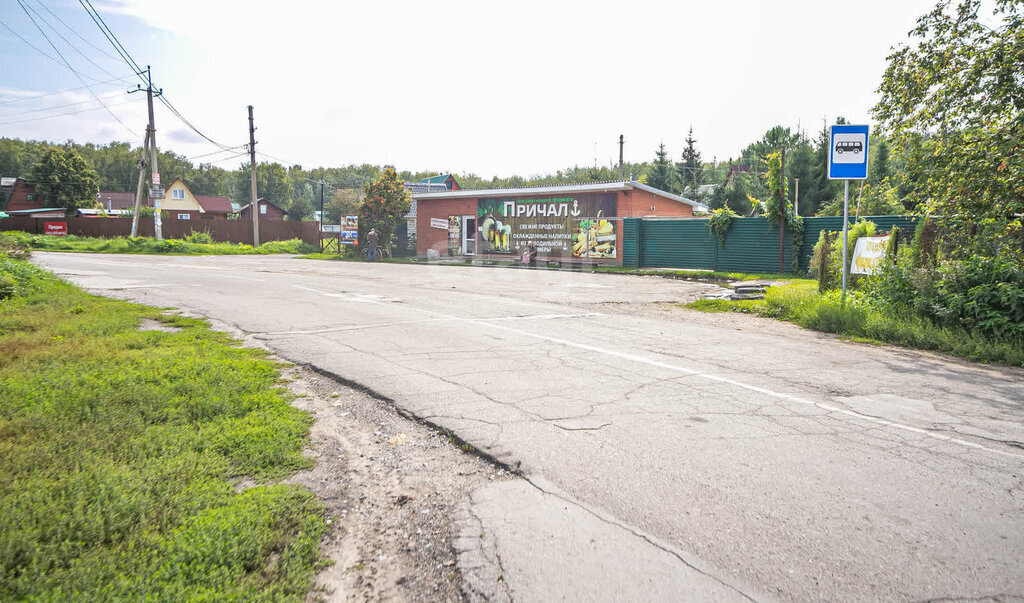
column 575, row 207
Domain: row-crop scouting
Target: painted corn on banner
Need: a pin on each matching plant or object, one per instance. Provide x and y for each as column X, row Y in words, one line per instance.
column 562, row 226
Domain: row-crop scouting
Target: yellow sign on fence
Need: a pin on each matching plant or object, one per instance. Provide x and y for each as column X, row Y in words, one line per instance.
column 868, row 254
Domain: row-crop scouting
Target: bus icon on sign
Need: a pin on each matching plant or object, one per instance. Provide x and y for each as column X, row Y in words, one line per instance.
column 849, row 146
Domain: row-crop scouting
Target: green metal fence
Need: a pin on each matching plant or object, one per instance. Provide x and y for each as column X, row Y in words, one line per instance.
column 751, row 245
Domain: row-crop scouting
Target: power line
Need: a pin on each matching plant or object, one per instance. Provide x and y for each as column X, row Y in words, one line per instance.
column 38, row 96
column 119, row 47
column 77, row 74
column 72, row 30
column 107, row 107
column 66, row 41
column 109, row 35
column 3, row 116
column 213, row 153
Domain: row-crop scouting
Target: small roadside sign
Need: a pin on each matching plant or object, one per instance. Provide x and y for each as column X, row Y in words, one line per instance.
column 868, row 254
column 156, row 178
column 57, row 229
column 156, row 192
column 848, row 152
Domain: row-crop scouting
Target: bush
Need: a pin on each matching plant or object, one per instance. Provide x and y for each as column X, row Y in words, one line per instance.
column 199, row 237
column 831, row 276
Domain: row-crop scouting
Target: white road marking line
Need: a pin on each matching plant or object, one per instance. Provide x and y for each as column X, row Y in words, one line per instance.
column 545, row 316
column 709, row 376
column 355, row 327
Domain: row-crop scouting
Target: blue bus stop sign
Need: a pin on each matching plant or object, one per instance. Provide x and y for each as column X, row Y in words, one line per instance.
column 848, row 153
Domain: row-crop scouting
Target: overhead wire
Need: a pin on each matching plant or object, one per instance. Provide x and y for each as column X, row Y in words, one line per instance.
column 38, row 96
column 4, row 116
column 28, row 6
column 73, row 70
column 127, row 57
column 74, row 31
column 42, row 117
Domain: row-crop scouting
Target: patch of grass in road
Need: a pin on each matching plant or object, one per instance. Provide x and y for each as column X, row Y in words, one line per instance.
column 801, row 303
column 195, row 244
column 119, row 452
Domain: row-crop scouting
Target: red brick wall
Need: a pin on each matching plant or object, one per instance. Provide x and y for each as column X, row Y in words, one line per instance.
column 435, row 238
column 636, row 203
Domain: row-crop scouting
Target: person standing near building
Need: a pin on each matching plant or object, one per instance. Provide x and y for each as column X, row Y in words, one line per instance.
column 371, row 243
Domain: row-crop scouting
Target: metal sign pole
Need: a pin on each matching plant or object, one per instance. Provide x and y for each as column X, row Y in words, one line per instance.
column 846, row 226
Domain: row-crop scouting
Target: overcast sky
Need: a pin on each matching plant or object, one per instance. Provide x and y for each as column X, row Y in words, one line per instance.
column 494, row 88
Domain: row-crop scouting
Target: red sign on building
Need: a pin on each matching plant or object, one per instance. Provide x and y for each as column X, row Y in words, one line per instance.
column 57, row 229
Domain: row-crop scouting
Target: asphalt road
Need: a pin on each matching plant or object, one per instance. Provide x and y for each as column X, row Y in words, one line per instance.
column 665, row 453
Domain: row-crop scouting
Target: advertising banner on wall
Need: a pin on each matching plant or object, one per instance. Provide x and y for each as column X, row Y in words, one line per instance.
column 454, row 235
column 557, row 226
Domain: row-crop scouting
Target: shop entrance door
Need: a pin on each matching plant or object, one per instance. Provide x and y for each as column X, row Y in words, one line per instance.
column 469, row 235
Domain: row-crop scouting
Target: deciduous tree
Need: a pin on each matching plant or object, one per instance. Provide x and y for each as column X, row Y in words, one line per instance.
column 953, row 106
column 63, row 179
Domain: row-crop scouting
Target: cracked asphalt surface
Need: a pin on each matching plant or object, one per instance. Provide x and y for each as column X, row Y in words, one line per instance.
column 664, row 453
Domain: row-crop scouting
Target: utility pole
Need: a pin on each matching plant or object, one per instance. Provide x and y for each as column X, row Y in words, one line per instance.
column 622, row 166
column 782, row 216
column 155, row 191
column 141, row 186
column 321, row 225
column 796, row 200
column 158, row 230
column 252, row 183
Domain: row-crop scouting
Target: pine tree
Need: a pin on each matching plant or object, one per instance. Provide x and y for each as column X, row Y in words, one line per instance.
column 690, row 170
column 660, row 174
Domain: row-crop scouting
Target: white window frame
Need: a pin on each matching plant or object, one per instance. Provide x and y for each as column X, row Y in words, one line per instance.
column 178, row 193
column 184, row 216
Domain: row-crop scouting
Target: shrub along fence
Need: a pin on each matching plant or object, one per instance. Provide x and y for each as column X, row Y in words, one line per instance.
column 751, row 244
column 221, row 231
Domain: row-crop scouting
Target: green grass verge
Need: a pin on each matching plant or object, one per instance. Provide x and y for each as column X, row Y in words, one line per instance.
column 120, row 449
column 801, row 303
column 197, row 244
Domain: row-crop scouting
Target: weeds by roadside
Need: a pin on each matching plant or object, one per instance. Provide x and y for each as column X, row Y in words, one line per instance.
column 197, row 243
column 858, row 319
column 120, row 452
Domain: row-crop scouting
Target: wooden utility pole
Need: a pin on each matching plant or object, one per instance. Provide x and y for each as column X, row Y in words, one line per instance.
column 796, row 199
column 252, row 183
column 141, row 186
column 155, row 191
column 782, row 215
column 622, row 167
column 321, row 224
column 158, row 230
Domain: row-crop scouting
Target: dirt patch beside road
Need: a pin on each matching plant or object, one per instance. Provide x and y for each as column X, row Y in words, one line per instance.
column 391, row 486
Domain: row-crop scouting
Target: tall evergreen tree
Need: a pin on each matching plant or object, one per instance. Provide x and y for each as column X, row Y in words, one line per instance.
column 690, row 171
column 660, row 174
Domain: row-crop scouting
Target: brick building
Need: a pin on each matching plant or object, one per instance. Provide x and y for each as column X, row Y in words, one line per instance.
column 579, row 222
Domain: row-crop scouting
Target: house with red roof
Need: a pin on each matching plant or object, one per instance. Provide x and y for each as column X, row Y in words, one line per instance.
column 180, row 204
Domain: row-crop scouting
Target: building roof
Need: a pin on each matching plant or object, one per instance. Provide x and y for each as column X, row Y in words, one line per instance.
column 596, row 187
column 214, row 204
column 260, row 200
column 118, row 200
column 426, row 187
column 438, row 179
